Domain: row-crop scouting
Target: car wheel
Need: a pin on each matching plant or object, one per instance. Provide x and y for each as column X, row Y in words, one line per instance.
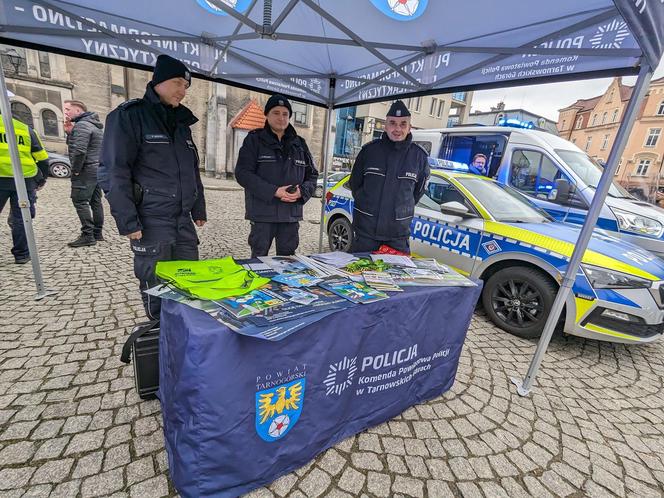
column 59, row 170
column 518, row 300
column 318, row 192
column 340, row 235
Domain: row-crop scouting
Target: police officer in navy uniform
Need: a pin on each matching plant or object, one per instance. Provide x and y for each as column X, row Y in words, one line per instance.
column 154, row 183
column 388, row 178
column 278, row 174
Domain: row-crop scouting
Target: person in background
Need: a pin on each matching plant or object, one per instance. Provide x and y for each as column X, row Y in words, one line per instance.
column 84, row 140
column 478, row 165
column 34, row 163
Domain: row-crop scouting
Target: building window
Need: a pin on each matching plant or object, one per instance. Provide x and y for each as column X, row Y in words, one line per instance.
column 642, row 167
column 615, row 116
column 574, row 140
column 434, row 107
column 653, row 137
column 579, row 122
column 590, row 139
column 611, row 95
column 604, row 117
column 300, row 114
column 14, row 60
column 44, row 65
column 660, row 109
column 417, row 104
column 563, row 125
column 50, row 123
column 22, row 112
column 594, row 122
column 605, row 142
column 618, row 168
column 441, row 108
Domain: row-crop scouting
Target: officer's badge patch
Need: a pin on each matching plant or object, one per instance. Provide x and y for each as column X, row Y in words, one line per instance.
column 281, row 102
column 278, row 409
column 491, row 247
column 398, row 113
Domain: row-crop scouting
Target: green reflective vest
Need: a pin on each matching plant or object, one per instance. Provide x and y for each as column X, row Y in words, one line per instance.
column 25, row 154
column 210, row 279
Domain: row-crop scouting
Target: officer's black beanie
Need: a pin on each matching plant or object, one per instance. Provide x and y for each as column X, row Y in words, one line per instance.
column 399, row 110
column 167, row 67
column 276, row 100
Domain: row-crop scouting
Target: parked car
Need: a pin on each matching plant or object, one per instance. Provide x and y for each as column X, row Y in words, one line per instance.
column 58, row 165
column 489, row 231
column 554, row 173
column 332, row 180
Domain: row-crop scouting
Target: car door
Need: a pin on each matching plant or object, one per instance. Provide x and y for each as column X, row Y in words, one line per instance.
column 534, row 174
column 453, row 240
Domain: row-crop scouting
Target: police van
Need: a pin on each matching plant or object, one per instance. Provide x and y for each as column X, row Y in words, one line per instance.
column 490, row 231
column 554, row 173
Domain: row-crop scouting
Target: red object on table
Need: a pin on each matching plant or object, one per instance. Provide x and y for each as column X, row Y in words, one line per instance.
column 385, row 249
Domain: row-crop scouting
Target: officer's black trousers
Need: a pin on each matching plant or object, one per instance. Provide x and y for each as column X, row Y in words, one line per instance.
column 19, row 238
column 86, row 196
column 162, row 241
column 262, row 234
column 362, row 243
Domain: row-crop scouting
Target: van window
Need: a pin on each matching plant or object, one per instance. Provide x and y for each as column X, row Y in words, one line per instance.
column 425, row 145
column 462, row 149
column 440, row 191
column 533, row 173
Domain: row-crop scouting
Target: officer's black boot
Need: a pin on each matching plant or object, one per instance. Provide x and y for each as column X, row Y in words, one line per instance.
column 99, row 237
column 82, row 241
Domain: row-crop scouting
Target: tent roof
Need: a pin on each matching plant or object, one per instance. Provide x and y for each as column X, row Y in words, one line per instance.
column 343, row 52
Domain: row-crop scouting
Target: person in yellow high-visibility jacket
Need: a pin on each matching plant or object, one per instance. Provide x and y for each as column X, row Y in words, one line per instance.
column 34, row 164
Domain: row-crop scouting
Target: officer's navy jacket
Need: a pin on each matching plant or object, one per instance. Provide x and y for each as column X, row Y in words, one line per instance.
column 151, row 166
column 387, row 180
column 265, row 164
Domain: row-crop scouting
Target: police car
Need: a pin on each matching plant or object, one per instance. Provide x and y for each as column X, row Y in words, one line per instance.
column 488, row 230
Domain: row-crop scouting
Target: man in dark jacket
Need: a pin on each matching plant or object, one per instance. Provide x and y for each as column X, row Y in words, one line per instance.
column 388, row 178
column 154, row 183
column 84, row 143
column 278, row 174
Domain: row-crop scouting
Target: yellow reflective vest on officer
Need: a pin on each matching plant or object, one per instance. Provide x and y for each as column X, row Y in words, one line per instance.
column 26, row 151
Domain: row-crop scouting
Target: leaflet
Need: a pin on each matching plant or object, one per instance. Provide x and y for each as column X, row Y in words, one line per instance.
column 355, row 292
column 251, row 303
column 296, row 279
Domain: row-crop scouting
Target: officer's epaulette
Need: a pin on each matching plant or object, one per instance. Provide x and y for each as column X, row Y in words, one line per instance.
column 129, row 103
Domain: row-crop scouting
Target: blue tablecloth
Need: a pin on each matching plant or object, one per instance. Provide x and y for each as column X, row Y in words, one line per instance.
column 240, row 412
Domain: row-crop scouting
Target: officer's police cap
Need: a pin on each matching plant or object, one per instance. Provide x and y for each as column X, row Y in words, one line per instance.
column 398, row 109
column 168, row 68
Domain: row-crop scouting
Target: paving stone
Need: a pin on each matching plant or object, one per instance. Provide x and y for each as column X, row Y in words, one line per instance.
column 103, row 484
column 148, row 444
column 396, row 464
column 610, row 482
column 369, row 442
column 16, row 453
column 86, row 441
column 117, row 435
column 15, row 477
column 51, row 448
column 351, row 481
column 332, row 462
column 462, row 469
column 315, row 483
column 140, row 470
column 439, row 489
column 53, row 472
column 89, row 465
column 379, row 484
column 119, row 456
column 39, row 491
column 18, row 430
column 408, row 486
column 76, row 424
column 366, row 461
column 284, row 484
column 66, row 489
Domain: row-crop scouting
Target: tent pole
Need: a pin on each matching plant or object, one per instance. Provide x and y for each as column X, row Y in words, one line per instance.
column 19, row 181
column 640, row 88
column 327, row 131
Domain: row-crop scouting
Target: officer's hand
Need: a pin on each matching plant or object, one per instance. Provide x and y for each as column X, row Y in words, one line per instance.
column 284, row 196
column 135, row 235
column 199, row 223
column 298, row 193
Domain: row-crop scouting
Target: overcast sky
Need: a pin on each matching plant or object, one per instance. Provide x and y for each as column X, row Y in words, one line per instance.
column 545, row 100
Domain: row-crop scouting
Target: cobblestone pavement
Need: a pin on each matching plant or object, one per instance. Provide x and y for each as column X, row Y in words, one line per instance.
column 72, row 425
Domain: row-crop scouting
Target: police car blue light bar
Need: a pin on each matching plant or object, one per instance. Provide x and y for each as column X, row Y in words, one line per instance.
column 516, row 123
column 437, row 163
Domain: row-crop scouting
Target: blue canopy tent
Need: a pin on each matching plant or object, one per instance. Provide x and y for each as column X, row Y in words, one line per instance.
column 338, row 53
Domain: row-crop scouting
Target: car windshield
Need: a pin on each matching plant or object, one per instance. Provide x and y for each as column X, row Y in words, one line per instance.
column 589, row 171
column 504, row 203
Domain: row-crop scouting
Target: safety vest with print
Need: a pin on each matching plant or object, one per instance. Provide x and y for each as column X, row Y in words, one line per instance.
column 26, row 156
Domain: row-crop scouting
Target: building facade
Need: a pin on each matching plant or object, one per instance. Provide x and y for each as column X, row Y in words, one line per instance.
column 42, row 81
column 358, row 125
column 592, row 125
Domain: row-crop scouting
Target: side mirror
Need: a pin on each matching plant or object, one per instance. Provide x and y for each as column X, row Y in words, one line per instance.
column 455, row 208
column 563, row 191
